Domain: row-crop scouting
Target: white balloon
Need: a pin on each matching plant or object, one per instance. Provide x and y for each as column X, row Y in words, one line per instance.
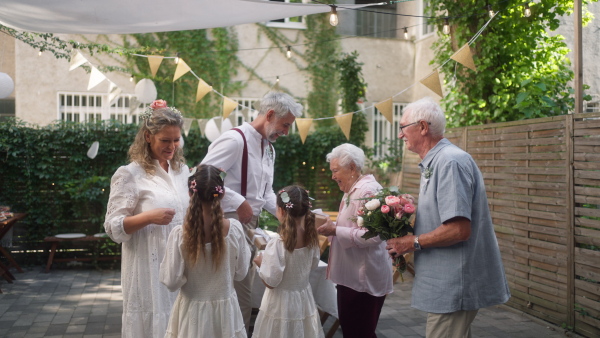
column 93, row 151
column 7, row 85
column 212, row 132
column 145, row 90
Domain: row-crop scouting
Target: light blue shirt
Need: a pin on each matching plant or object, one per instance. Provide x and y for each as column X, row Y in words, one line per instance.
column 468, row 275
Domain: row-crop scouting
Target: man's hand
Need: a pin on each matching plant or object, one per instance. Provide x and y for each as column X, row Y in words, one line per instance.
column 244, row 212
column 327, row 229
column 400, row 246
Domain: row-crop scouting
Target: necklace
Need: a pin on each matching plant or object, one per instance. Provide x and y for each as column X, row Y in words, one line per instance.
column 349, row 193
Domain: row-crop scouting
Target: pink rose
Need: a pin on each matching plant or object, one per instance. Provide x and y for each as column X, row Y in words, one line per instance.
column 399, row 215
column 409, row 208
column 385, row 209
column 408, row 198
column 360, row 212
column 157, row 104
column 392, row 201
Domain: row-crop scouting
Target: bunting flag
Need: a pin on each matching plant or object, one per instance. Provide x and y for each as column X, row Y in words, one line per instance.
column 95, row 78
column 202, row 125
column 464, row 57
column 386, row 108
column 133, row 105
column 181, row 69
column 187, row 124
column 113, row 92
column 228, row 106
column 246, row 114
column 77, row 61
column 432, row 81
column 345, row 122
column 218, row 121
column 154, row 61
column 303, row 126
column 203, row 89
column 233, row 120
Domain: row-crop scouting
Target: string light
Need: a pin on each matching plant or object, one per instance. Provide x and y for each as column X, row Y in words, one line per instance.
column 446, row 28
column 490, row 11
column 40, row 53
column 527, row 11
column 177, row 58
column 131, row 78
column 277, row 79
column 289, row 52
column 405, row 33
column 333, row 17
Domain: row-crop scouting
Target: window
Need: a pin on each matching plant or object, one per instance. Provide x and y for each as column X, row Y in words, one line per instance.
column 377, row 25
column 7, row 108
column 427, row 24
column 93, row 107
column 296, row 22
column 381, row 130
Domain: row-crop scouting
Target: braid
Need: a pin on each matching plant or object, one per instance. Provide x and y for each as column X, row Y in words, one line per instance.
column 193, row 231
column 217, row 240
column 295, row 206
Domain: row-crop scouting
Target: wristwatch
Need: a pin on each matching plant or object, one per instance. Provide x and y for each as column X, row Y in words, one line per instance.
column 416, row 244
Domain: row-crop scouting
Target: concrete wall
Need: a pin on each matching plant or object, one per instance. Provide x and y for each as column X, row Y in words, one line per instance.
column 7, row 58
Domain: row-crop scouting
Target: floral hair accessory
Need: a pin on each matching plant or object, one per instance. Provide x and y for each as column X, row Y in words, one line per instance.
column 285, row 198
column 222, row 174
column 157, row 104
column 219, row 189
column 289, row 205
column 193, row 185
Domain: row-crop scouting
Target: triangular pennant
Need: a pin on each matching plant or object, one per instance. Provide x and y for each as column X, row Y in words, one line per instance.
column 246, row 114
column 187, row 124
column 203, row 89
column 95, row 78
column 202, row 125
column 387, row 109
column 464, row 57
column 233, row 119
column 113, row 93
column 77, row 61
column 303, row 126
column 181, row 69
column 228, row 106
column 345, row 122
column 133, row 105
column 432, row 81
column 154, row 61
column 218, row 121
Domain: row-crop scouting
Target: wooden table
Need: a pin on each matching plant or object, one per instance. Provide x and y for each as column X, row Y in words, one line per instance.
column 56, row 240
column 5, row 226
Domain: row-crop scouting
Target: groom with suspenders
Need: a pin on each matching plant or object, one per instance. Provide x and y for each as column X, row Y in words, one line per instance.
column 248, row 157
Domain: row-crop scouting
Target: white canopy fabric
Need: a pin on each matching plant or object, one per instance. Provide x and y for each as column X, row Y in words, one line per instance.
column 144, row 16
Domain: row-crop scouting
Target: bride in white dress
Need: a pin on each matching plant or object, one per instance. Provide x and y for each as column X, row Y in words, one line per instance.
column 288, row 308
column 203, row 258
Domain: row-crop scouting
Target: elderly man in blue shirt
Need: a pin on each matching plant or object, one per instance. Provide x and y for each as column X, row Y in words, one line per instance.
column 458, row 268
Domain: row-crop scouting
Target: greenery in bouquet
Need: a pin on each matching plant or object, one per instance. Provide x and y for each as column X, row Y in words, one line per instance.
column 389, row 214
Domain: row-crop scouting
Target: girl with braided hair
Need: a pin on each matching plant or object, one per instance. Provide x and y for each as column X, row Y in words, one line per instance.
column 288, row 308
column 203, row 258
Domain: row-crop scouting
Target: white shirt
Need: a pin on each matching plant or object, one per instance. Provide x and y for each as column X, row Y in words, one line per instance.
column 226, row 153
column 146, row 302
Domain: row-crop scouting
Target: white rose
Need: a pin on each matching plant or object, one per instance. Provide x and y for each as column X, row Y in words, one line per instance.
column 372, row 204
column 360, row 221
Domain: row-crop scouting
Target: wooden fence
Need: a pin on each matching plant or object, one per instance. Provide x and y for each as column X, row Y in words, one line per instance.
column 543, row 185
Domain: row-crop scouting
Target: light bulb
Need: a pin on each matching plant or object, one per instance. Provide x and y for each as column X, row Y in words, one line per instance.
column 405, row 33
column 277, row 79
column 446, row 28
column 289, row 52
column 527, row 12
column 40, row 53
column 333, row 17
column 490, row 11
column 131, row 78
column 177, row 58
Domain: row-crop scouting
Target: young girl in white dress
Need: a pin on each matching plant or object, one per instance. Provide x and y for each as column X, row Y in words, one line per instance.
column 288, row 308
column 204, row 257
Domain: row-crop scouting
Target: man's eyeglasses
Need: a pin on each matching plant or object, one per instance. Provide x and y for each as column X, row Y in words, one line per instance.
column 410, row 124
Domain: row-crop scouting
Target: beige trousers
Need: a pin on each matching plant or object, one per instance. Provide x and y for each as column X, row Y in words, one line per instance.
column 243, row 288
column 450, row 325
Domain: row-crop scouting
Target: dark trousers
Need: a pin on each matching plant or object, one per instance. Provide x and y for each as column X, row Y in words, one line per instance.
column 358, row 311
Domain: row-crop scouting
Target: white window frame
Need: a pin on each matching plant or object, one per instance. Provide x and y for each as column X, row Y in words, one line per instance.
column 76, row 107
column 380, row 129
column 424, row 24
column 287, row 23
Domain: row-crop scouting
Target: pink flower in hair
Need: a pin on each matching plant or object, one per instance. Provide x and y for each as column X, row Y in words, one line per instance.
column 193, row 185
column 157, row 104
column 219, row 189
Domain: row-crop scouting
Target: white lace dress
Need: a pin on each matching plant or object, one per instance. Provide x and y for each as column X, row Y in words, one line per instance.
column 288, row 310
column 146, row 302
column 207, row 305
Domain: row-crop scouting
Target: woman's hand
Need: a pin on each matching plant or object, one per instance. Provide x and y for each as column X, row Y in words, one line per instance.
column 327, row 229
column 258, row 259
column 161, row 216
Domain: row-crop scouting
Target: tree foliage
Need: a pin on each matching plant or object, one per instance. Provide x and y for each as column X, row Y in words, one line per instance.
column 211, row 54
column 353, row 87
column 522, row 70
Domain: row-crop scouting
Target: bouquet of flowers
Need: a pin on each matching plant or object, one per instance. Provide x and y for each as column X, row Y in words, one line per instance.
column 389, row 214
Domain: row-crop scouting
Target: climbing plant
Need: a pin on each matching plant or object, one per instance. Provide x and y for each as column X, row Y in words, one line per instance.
column 353, row 88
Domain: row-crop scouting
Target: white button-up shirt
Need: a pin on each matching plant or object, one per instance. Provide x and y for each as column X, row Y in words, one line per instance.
column 226, row 153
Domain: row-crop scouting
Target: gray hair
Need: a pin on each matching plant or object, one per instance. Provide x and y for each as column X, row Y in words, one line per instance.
column 348, row 153
column 281, row 104
column 426, row 109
